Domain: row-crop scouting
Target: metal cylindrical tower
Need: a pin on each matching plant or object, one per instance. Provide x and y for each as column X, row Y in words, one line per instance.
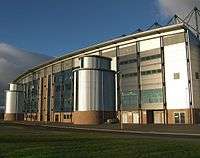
column 94, row 91
column 14, row 103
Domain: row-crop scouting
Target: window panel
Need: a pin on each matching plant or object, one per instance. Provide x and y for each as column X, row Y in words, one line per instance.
column 196, row 75
column 63, row 91
column 146, row 58
column 176, row 76
column 179, row 117
column 31, row 95
column 127, row 50
column 150, row 72
column 174, row 39
column 151, row 96
column 130, row 99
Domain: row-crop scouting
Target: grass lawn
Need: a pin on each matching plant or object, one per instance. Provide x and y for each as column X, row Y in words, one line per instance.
column 20, row 141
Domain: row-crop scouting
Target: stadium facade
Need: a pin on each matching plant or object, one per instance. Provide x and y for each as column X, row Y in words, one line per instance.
column 146, row 77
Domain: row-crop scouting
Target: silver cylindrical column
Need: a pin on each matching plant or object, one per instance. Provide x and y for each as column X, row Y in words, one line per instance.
column 94, row 90
column 14, row 103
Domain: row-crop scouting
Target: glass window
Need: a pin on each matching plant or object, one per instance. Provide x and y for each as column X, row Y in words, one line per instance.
column 130, row 98
column 176, row 117
column 150, row 72
column 129, row 75
column 63, row 91
column 65, row 117
column 152, row 96
column 31, row 96
column 68, row 90
column 58, row 86
column 157, row 56
column 179, row 117
column 69, row 116
column 128, row 61
column 196, row 75
column 182, row 117
column 82, row 64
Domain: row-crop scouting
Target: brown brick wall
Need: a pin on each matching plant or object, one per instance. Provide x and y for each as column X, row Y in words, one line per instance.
column 95, row 117
column 171, row 119
column 12, row 117
column 92, row 117
column 87, row 117
column 30, row 117
column 66, row 117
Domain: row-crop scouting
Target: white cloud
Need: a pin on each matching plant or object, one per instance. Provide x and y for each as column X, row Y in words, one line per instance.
column 182, row 8
column 179, row 7
column 14, row 61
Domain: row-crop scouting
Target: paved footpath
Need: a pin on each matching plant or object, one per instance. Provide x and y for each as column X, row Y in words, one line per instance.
column 145, row 133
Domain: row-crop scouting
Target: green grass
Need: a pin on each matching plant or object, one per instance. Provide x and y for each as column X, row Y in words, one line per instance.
column 20, row 141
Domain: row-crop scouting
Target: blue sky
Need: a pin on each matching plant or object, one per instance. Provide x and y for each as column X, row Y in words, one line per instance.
column 54, row 27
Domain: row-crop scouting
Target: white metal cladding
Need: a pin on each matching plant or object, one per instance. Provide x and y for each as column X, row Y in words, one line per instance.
column 13, row 87
column 96, row 90
column 149, row 44
column 96, row 62
column 75, row 89
column 16, row 87
column 177, row 93
column 114, row 64
column 14, row 102
column 195, row 68
column 11, row 102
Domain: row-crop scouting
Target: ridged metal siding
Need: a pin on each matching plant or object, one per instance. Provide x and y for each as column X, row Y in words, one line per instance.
column 94, row 88
column 96, row 62
column 14, row 99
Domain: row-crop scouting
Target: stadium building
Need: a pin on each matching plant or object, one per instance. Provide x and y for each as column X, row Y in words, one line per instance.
column 146, row 77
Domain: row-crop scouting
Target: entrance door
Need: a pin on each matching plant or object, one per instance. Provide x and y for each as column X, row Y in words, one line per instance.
column 150, row 117
column 56, row 118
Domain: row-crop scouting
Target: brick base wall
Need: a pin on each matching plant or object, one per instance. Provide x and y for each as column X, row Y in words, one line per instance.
column 92, row 117
column 13, row 117
column 171, row 118
column 191, row 116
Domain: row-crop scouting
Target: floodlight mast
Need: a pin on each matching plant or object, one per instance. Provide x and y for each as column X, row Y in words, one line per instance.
column 197, row 15
column 193, row 15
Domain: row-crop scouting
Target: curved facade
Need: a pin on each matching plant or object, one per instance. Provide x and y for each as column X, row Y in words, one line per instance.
column 156, row 80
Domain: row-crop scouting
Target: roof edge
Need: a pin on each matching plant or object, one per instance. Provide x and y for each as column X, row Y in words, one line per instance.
column 103, row 44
